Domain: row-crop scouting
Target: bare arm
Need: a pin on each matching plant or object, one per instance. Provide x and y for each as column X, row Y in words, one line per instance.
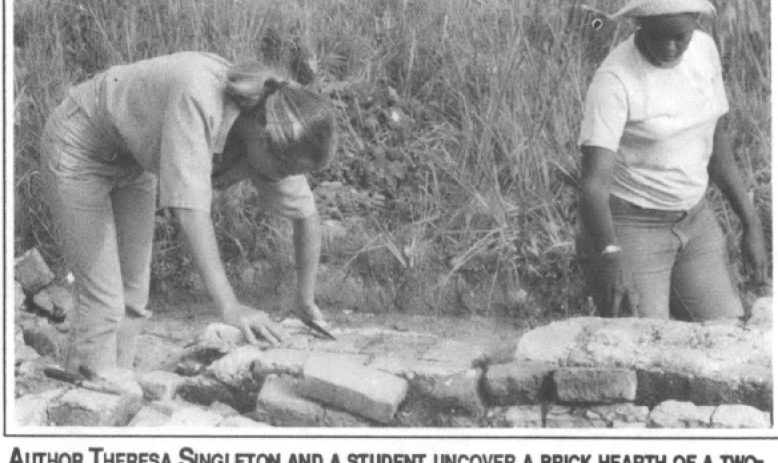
column 596, row 175
column 307, row 247
column 724, row 173
column 198, row 229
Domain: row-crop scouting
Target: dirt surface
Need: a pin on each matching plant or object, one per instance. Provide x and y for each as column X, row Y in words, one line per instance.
column 179, row 323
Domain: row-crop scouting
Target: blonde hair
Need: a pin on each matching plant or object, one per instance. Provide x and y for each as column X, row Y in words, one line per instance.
column 300, row 123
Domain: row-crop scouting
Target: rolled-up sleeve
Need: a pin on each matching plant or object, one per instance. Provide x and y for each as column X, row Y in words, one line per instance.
column 719, row 92
column 291, row 197
column 605, row 113
column 185, row 152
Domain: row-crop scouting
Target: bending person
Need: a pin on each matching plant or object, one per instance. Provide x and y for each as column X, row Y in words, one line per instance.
column 652, row 136
column 161, row 121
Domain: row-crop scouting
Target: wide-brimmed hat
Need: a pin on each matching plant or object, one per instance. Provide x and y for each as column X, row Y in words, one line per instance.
column 642, row 8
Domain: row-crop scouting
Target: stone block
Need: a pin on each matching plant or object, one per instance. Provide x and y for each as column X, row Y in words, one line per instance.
column 518, row 383
column 31, row 271
column 521, row 416
column 194, row 416
column 675, row 414
column 456, row 392
column 32, row 410
column 238, row 421
column 559, row 416
column 44, row 338
column 353, row 387
column 82, row 407
column 279, row 404
column 595, row 385
column 148, row 417
column 160, row 385
column 740, row 417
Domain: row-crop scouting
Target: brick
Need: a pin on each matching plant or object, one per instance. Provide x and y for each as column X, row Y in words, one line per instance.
column 595, row 385
column 149, row 416
column 194, row 416
column 521, row 416
column 353, row 387
column 656, row 386
column 31, row 410
column 82, row 407
column 238, row 421
column 456, row 392
column 675, row 414
column 518, row 383
column 740, row 417
column 32, row 272
column 279, row 404
column 160, row 385
column 559, row 416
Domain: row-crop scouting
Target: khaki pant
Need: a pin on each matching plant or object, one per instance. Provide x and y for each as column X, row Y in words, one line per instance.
column 103, row 204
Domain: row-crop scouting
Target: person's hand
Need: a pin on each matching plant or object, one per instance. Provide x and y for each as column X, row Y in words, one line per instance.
column 252, row 322
column 754, row 254
column 615, row 284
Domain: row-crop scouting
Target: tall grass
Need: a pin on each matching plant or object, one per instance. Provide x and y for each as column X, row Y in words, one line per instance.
column 494, row 90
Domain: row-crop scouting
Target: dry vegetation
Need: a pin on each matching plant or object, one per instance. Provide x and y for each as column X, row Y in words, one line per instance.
column 459, row 120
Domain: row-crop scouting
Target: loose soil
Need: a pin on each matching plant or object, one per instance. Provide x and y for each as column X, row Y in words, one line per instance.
column 179, row 323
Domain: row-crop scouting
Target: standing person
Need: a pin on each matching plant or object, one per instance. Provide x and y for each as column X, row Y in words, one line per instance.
column 653, row 134
column 160, row 122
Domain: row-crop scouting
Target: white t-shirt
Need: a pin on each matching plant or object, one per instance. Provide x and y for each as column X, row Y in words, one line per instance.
column 659, row 122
